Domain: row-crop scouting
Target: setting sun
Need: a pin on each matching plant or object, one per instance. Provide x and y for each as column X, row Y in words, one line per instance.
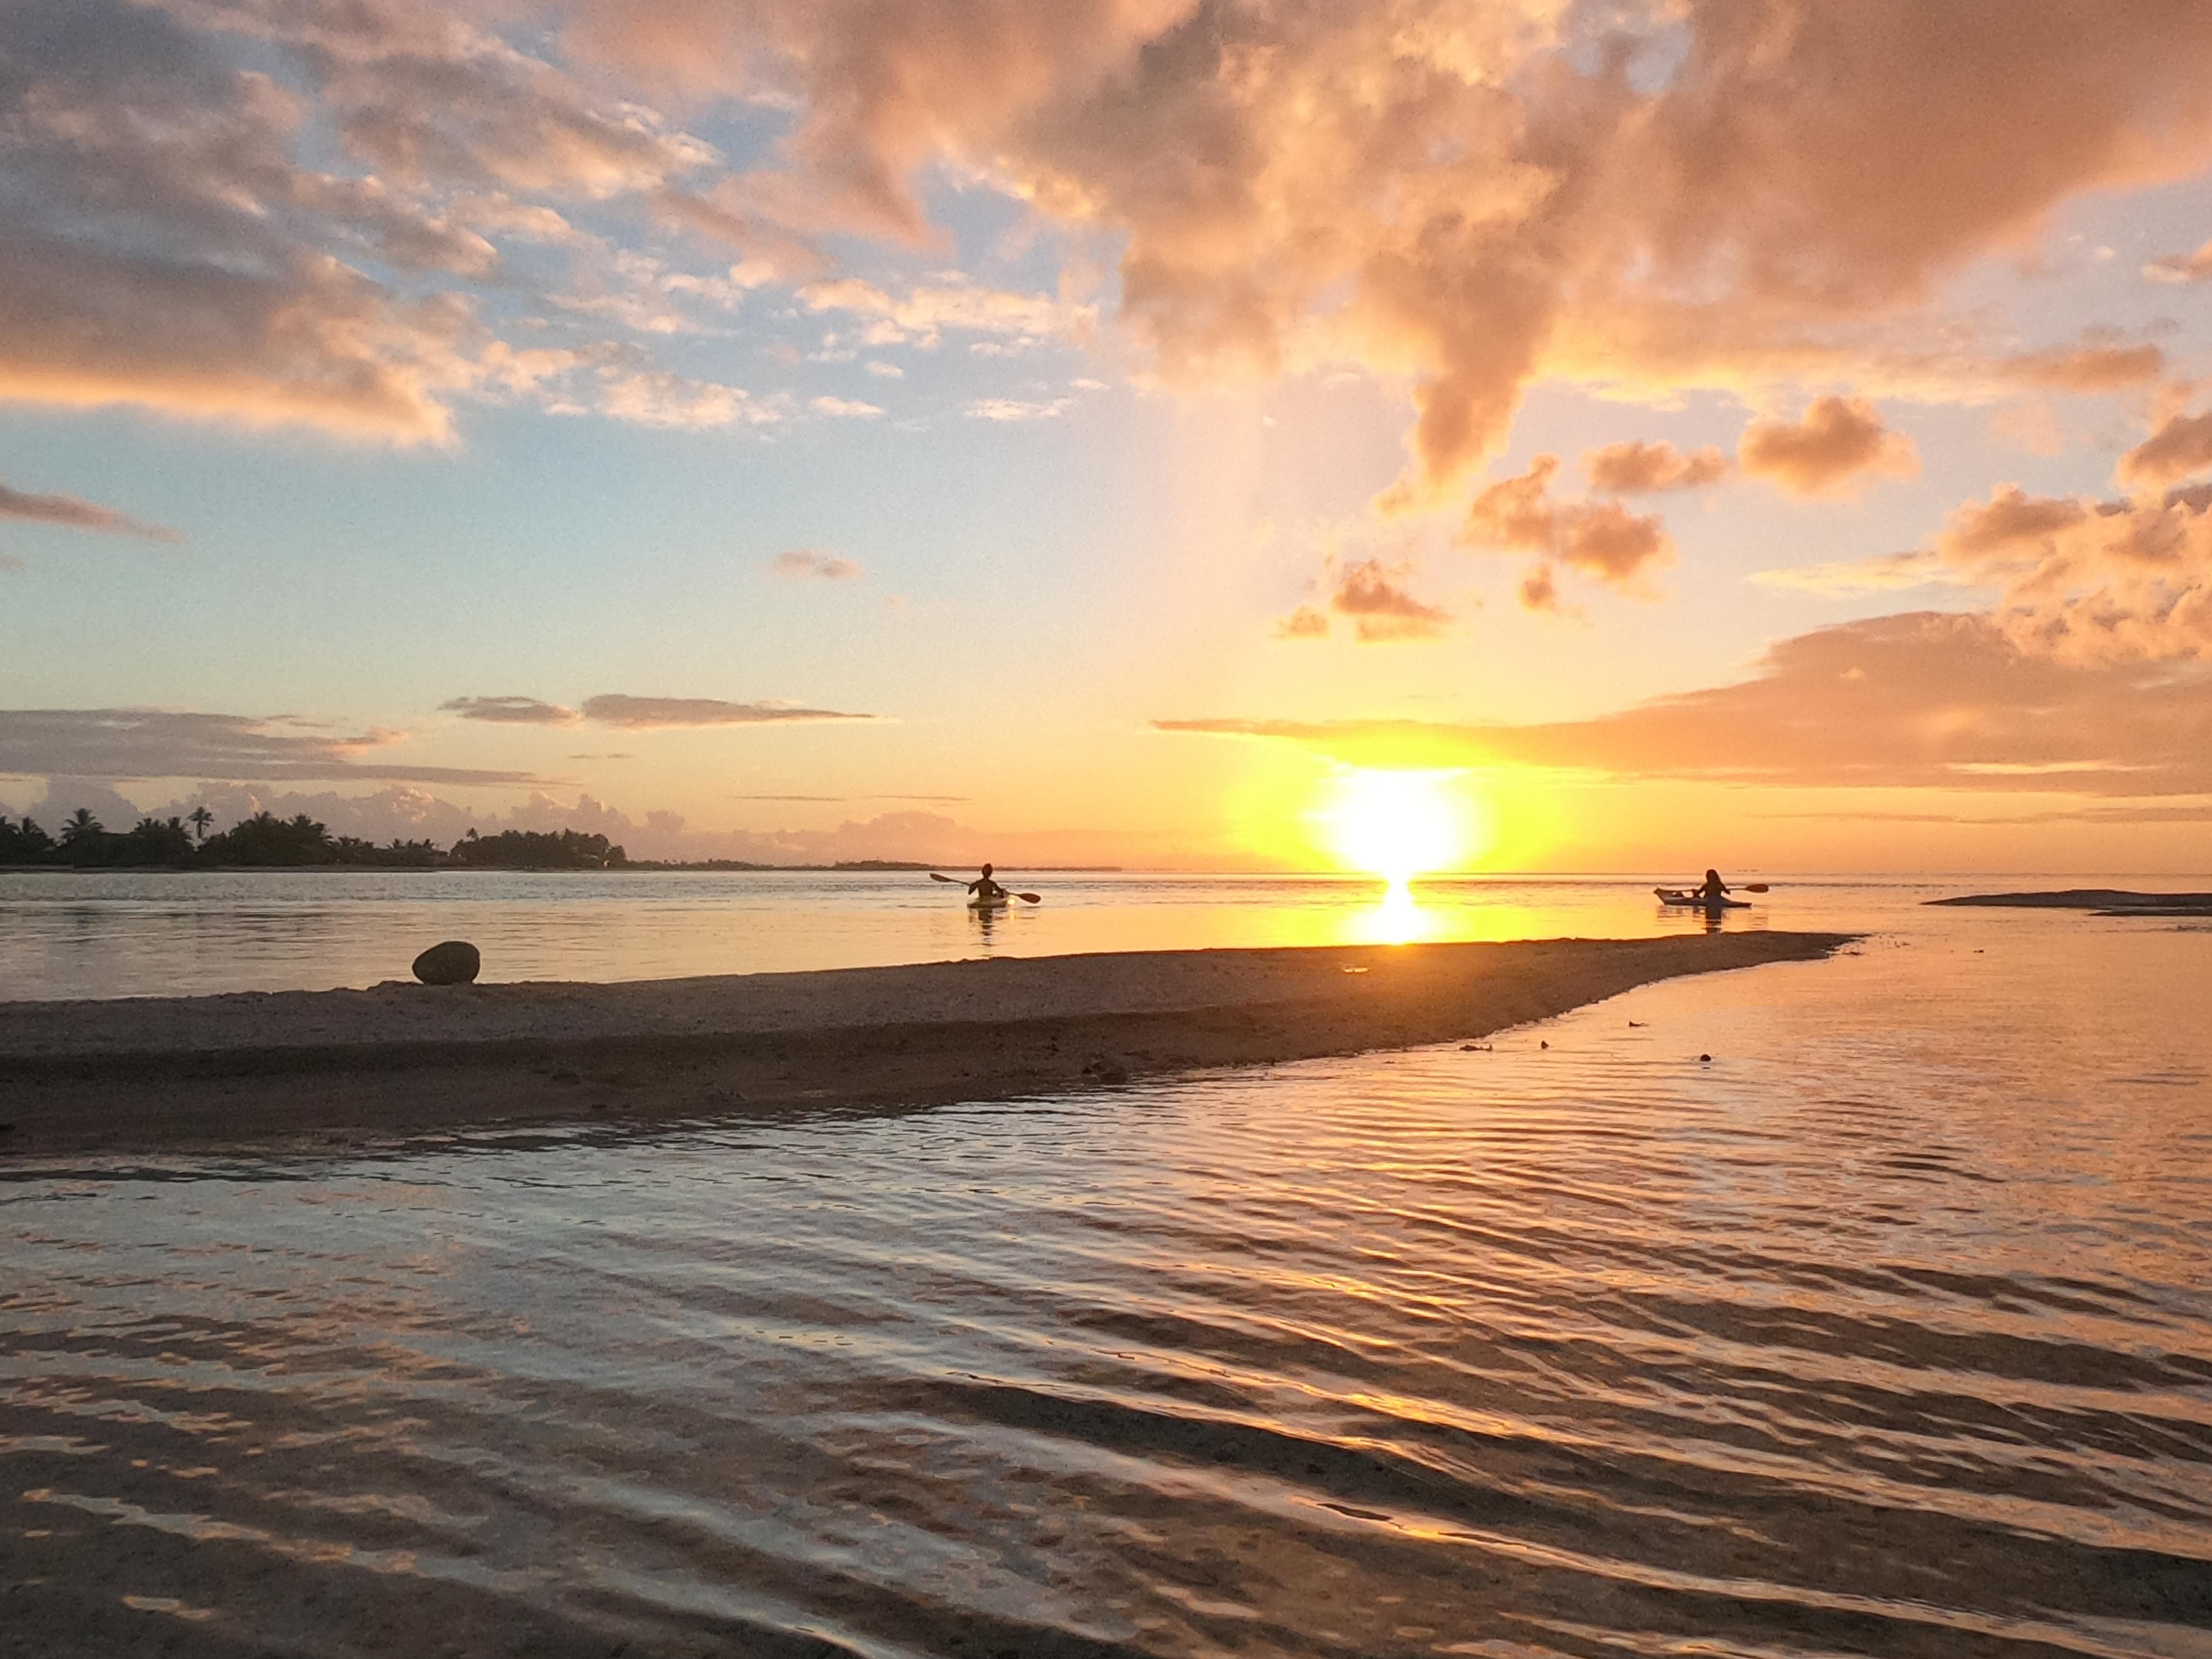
column 1399, row 824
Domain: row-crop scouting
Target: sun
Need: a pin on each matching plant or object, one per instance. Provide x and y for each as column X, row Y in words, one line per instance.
column 1397, row 824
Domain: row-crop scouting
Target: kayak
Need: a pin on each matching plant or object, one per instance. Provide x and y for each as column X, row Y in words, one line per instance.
column 1699, row 901
column 1004, row 903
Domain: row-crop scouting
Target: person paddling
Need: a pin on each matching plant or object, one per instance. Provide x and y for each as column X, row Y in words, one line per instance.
column 1713, row 891
column 986, row 891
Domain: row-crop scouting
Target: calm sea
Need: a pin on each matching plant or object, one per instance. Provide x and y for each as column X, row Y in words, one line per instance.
column 167, row 934
column 1885, row 1330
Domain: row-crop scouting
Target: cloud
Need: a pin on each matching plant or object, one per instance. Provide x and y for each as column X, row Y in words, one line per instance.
column 1839, row 444
column 311, row 214
column 511, row 711
column 1640, row 468
column 2182, row 267
column 78, row 514
column 1380, row 610
column 806, row 561
column 2091, row 581
column 1540, row 589
column 923, row 313
column 2179, row 449
column 1306, row 622
column 1923, row 700
column 657, row 398
column 2088, row 369
column 1468, row 195
column 1886, row 572
column 654, row 713
column 1601, row 539
column 160, row 743
column 845, row 408
column 1015, row 409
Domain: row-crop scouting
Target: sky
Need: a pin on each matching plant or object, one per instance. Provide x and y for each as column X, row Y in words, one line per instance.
column 1767, row 433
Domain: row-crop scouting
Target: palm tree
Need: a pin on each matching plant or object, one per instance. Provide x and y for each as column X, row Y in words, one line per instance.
column 78, row 825
column 199, row 817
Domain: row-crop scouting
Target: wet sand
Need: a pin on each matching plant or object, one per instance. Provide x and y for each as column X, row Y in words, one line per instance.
column 304, row 1069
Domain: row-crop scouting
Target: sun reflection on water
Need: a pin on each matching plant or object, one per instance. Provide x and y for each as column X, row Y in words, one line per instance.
column 1398, row 919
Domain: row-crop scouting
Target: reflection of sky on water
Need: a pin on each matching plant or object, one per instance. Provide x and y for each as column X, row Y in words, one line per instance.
column 1884, row 1331
column 152, row 934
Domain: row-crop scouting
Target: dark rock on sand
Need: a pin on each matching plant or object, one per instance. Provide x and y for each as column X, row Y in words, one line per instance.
column 456, row 962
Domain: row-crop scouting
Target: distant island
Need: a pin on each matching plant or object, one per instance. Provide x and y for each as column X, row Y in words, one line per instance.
column 265, row 842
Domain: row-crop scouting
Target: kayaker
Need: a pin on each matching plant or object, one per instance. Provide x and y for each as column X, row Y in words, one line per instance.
column 1713, row 891
column 986, row 891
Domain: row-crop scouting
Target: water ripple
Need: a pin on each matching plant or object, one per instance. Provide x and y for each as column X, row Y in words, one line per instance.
column 1887, row 1332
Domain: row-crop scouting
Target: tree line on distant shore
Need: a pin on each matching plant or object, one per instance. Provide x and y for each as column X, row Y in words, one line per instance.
column 267, row 841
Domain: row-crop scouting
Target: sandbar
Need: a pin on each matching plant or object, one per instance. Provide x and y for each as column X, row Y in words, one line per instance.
column 305, row 1069
column 2098, row 901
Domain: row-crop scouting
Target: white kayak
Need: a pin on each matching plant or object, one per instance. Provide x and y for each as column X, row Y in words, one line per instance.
column 1699, row 901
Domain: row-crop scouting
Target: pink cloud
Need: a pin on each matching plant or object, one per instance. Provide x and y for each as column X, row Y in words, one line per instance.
column 1640, row 468
column 1381, row 609
column 1919, row 700
column 812, row 561
column 2179, row 449
column 1601, row 539
column 1838, row 445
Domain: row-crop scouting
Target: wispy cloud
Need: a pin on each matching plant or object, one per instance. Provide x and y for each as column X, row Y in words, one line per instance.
column 923, row 314
column 811, row 561
column 651, row 713
column 510, row 711
column 78, row 514
column 163, row 743
column 1016, row 409
column 1884, row 572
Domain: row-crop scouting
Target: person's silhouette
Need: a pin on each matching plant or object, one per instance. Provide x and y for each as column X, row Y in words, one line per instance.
column 988, row 891
column 1713, row 889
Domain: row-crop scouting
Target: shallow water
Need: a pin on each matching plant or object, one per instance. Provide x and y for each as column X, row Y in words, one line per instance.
column 1886, row 1330
column 166, row 933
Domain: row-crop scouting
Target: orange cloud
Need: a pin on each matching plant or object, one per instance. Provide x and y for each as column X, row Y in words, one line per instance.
column 1738, row 193
column 2179, row 449
column 2182, row 267
column 1381, row 609
column 1839, row 444
column 1447, row 192
column 1923, row 700
column 1602, row 539
column 1640, row 469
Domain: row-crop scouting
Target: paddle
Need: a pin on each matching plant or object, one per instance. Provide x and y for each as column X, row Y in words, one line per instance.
column 1026, row 898
column 1756, row 887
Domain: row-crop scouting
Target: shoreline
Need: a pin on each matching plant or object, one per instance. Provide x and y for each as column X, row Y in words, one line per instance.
column 305, row 1070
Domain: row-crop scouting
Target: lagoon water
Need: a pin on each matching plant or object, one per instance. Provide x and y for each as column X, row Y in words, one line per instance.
column 1887, row 1330
column 169, row 934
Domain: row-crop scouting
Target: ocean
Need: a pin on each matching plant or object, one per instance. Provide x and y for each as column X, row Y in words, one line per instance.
column 1862, row 1306
column 174, row 935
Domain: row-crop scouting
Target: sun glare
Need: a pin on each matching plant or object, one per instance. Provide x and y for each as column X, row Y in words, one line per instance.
column 1397, row 824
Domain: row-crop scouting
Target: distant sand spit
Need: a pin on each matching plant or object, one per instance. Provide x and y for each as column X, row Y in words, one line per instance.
column 304, row 1069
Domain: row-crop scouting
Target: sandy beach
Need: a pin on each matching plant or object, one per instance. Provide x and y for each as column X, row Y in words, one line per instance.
column 308, row 1068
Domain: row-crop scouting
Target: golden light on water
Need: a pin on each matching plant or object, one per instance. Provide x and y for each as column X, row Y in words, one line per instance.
column 1401, row 823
